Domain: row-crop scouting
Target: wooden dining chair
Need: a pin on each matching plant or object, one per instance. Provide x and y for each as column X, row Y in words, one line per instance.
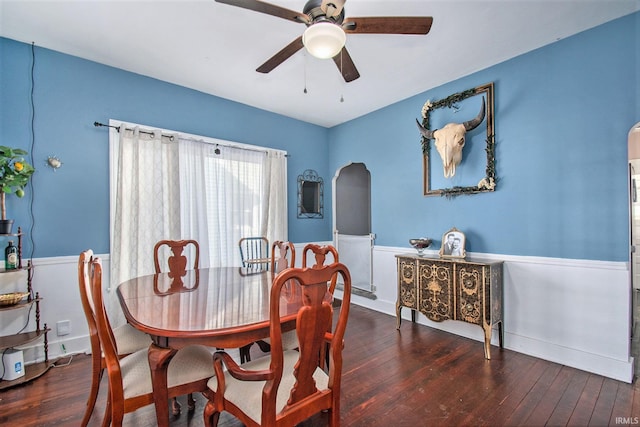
column 283, row 256
column 130, row 385
column 288, row 386
column 128, row 339
column 176, row 262
column 254, row 252
column 176, row 265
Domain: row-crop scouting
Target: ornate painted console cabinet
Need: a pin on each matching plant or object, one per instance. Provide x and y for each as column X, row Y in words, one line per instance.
column 468, row 290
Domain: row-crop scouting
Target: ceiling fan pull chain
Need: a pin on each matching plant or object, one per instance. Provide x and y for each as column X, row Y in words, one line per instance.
column 304, row 71
column 341, row 97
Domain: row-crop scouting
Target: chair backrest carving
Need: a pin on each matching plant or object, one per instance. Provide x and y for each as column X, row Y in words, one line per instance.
column 283, row 256
column 176, row 262
column 320, row 256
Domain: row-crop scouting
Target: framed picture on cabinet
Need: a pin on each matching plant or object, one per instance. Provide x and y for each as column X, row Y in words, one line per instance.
column 453, row 244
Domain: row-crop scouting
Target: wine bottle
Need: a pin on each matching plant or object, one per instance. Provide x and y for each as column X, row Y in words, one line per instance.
column 10, row 256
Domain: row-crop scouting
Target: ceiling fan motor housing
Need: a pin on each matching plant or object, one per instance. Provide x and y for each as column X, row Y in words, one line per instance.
column 313, row 10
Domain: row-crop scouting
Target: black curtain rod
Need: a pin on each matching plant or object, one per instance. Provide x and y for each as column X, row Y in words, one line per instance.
column 171, row 138
column 98, row 124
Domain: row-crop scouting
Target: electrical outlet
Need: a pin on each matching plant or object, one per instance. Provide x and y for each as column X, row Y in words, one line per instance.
column 63, row 327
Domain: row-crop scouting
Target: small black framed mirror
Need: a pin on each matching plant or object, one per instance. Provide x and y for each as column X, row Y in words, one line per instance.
column 310, row 195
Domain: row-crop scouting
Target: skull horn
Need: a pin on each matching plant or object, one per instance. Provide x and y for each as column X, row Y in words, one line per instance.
column 472, row 124
column 425, row 132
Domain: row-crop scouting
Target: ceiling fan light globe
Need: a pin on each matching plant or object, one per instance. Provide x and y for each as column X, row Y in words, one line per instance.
column 324, row 39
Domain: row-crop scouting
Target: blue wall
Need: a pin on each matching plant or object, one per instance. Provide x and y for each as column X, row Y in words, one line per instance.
column 71, row 205
column 562, row 117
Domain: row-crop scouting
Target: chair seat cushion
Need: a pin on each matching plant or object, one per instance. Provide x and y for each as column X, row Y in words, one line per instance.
column 190, row 364
column 129, row 339
column 247, row 395
column 289, row 340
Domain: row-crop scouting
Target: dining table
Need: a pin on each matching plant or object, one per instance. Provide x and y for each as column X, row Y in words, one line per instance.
column 223, row 307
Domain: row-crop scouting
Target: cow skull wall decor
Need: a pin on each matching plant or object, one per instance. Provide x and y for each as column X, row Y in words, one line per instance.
column 450, row 140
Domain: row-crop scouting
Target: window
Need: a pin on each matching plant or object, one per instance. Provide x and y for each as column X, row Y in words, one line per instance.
column 166, row 185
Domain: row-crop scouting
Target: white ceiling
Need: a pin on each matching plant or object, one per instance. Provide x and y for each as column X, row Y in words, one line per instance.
column 215, row 48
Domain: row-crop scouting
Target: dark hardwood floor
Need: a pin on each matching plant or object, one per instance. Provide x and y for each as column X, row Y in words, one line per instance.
column 416, row 377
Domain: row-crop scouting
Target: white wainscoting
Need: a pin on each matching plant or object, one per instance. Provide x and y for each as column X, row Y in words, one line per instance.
column 56, row 279
column 573, row 312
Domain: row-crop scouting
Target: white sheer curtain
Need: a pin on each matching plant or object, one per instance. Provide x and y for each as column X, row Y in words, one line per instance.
column 144, row 191
column 192, row 187
column 275, row 209
column 145, row 201
column 229, row 193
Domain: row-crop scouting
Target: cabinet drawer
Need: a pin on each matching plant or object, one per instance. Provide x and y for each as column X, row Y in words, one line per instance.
column 407, row 283
column 435, row 290
column 472, row 295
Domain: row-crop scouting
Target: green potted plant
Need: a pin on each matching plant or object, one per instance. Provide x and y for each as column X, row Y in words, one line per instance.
column 14, row 175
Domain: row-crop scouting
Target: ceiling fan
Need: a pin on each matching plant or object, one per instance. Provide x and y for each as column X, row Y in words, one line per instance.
column 326, row 30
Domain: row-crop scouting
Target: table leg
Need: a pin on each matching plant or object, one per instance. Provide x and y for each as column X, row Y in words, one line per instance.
column 159, row 358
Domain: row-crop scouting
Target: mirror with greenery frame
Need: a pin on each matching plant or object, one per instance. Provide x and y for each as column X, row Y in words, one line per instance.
column 310, row 195
column 474, row 179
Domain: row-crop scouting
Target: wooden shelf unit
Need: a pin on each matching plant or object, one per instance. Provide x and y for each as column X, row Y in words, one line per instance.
column 34, row 370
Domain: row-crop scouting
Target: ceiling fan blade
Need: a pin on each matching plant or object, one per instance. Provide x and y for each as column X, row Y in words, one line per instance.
column 388, row 25
column 269, row 9
column 332, row 7
column 281, row 56
column 346, row 66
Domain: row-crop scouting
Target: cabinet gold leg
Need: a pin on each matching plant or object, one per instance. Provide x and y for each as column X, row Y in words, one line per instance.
column 487, row 342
